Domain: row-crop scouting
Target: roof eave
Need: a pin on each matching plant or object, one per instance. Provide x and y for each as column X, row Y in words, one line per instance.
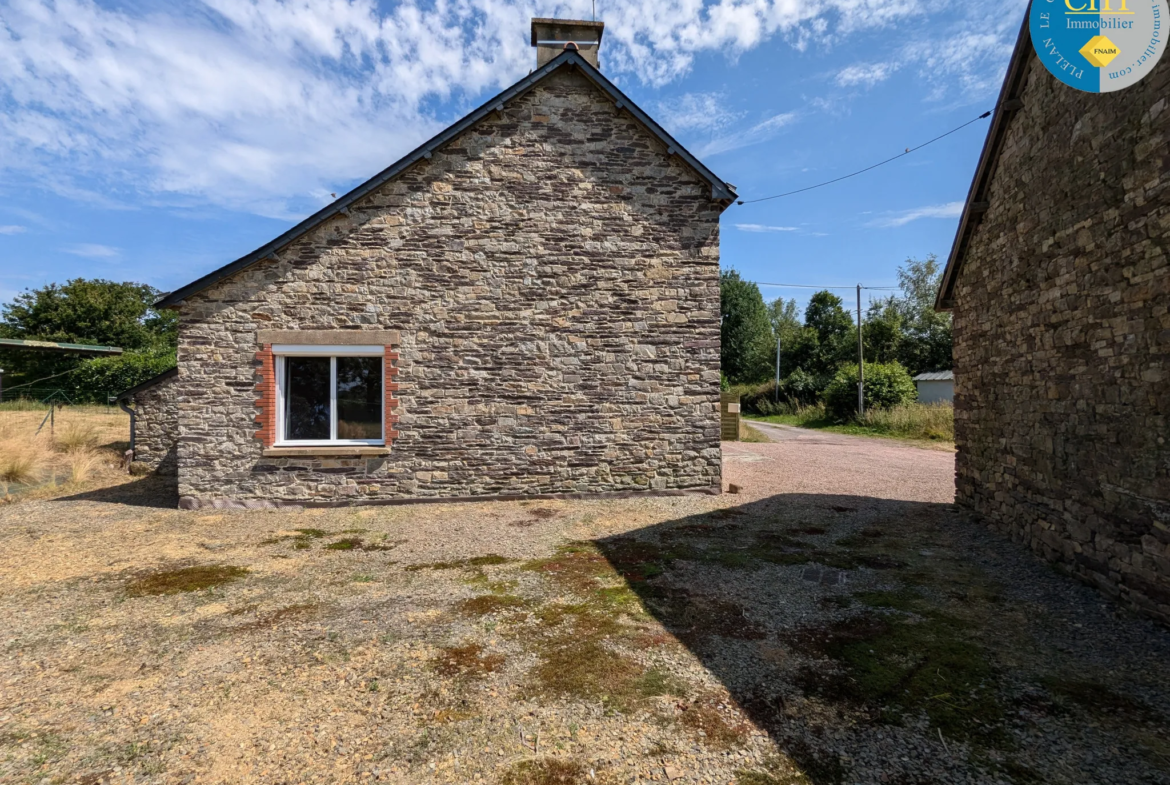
column 975, row 206
column 146, row 385
column 721, row 192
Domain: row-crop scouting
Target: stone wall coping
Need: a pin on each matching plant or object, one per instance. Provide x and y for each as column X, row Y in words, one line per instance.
column 323, row 452
column 329, row 337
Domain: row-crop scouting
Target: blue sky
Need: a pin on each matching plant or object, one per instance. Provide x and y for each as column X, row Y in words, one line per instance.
column 155, row 142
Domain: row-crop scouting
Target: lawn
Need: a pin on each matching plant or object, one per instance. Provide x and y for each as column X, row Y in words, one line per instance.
column 928, row 425
column 771, row 637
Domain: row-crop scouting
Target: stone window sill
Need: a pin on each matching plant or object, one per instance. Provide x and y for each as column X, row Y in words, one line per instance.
column 324, row 452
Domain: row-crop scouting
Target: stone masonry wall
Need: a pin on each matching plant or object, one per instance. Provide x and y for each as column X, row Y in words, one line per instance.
column 1062, row 338
column 156, row 427
column 554, row 278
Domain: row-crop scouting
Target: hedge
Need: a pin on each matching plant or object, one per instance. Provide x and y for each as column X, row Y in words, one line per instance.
column 97, row 379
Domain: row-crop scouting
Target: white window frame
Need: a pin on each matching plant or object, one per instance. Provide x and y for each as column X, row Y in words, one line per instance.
column 281, row 351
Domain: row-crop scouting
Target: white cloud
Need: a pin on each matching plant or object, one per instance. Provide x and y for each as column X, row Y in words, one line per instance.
column 93, row 251
column 695, row 112
column 262, row 105
column 765, row 228
column 948, row 210
column 12, row 229
column 865, row 74
column 760, row 132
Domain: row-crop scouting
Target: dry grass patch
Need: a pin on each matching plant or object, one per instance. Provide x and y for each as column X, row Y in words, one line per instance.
column 77, row 436
column 184, row 579
column 467, row 660
column 719, row 724
column 23, row 462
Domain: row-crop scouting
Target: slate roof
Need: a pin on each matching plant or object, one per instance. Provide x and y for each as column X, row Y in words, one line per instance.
column 977, row 197
column 935, row 376
column 146, row 385
column 720, row 191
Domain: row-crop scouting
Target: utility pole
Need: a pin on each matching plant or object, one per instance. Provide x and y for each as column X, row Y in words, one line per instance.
column 860, row 360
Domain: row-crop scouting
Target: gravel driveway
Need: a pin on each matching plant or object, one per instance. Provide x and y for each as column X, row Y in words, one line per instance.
column 834, row 622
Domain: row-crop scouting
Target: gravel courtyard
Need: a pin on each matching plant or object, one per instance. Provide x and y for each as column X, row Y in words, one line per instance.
column 833, row 622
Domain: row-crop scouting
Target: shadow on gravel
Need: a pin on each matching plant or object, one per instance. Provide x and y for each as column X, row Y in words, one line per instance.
column 150, row 491
column 865, row 638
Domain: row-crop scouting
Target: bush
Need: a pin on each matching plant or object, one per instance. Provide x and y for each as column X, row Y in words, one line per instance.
column 886, row 385
column 99, row 378
column 798, row 389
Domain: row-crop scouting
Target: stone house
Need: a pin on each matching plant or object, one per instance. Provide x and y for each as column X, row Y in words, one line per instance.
column 1059, row 282
column 525, row 305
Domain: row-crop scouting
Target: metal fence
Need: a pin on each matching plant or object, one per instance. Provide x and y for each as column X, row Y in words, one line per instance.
column 57, row 419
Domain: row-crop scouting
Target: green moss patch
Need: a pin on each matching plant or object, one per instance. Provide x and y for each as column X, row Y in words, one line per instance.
column 547, row 771
column 487, row 604
column 490, row 560
column 184, row 579
column 899, row 666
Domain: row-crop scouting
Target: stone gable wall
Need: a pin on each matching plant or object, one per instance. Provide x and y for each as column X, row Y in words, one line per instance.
column 156, row 428
column 554, row 278
column 1062, row 338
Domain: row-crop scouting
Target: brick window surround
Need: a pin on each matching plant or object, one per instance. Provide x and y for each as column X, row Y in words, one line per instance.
column 266, row 382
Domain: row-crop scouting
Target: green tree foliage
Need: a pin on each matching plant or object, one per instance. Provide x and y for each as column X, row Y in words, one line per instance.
column 882, row 331
column 927, row 338
column 906, row 327
column 886, row 385
column 97, row 379
column 829, row 336
column 91, row 312
column 86, row 311
column 746, row 333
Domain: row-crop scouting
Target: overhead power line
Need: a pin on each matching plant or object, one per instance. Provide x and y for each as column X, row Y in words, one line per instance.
column 812, row 286
column 866, row 169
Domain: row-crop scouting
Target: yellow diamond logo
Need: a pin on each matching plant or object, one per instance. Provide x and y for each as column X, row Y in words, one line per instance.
column 1100, row 51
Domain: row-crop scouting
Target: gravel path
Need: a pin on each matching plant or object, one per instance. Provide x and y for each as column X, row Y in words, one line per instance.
column 833, row 622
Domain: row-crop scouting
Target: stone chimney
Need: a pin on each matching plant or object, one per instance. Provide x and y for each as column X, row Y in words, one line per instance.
column 553, row 36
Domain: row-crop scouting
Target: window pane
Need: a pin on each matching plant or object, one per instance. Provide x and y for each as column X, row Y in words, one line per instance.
column 306, row 395
column 359, row 397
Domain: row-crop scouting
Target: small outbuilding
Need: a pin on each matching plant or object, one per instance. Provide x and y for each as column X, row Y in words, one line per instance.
column 1059, row 282
column 935, row 387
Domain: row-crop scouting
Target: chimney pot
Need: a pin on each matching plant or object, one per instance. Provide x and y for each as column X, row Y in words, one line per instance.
column 551, row 37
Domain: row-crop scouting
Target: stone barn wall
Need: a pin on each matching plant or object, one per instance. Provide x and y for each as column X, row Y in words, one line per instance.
column 553, row 279
column 1062, row 338
column 156, row 428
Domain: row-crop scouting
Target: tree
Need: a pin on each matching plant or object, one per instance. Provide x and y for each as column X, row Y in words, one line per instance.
column 927, row 340
column 883, row 331
column 830, row 334
column 93, row 312
column 747, row 345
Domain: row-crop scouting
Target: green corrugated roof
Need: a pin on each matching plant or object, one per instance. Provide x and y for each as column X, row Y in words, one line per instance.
column 54, row 346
